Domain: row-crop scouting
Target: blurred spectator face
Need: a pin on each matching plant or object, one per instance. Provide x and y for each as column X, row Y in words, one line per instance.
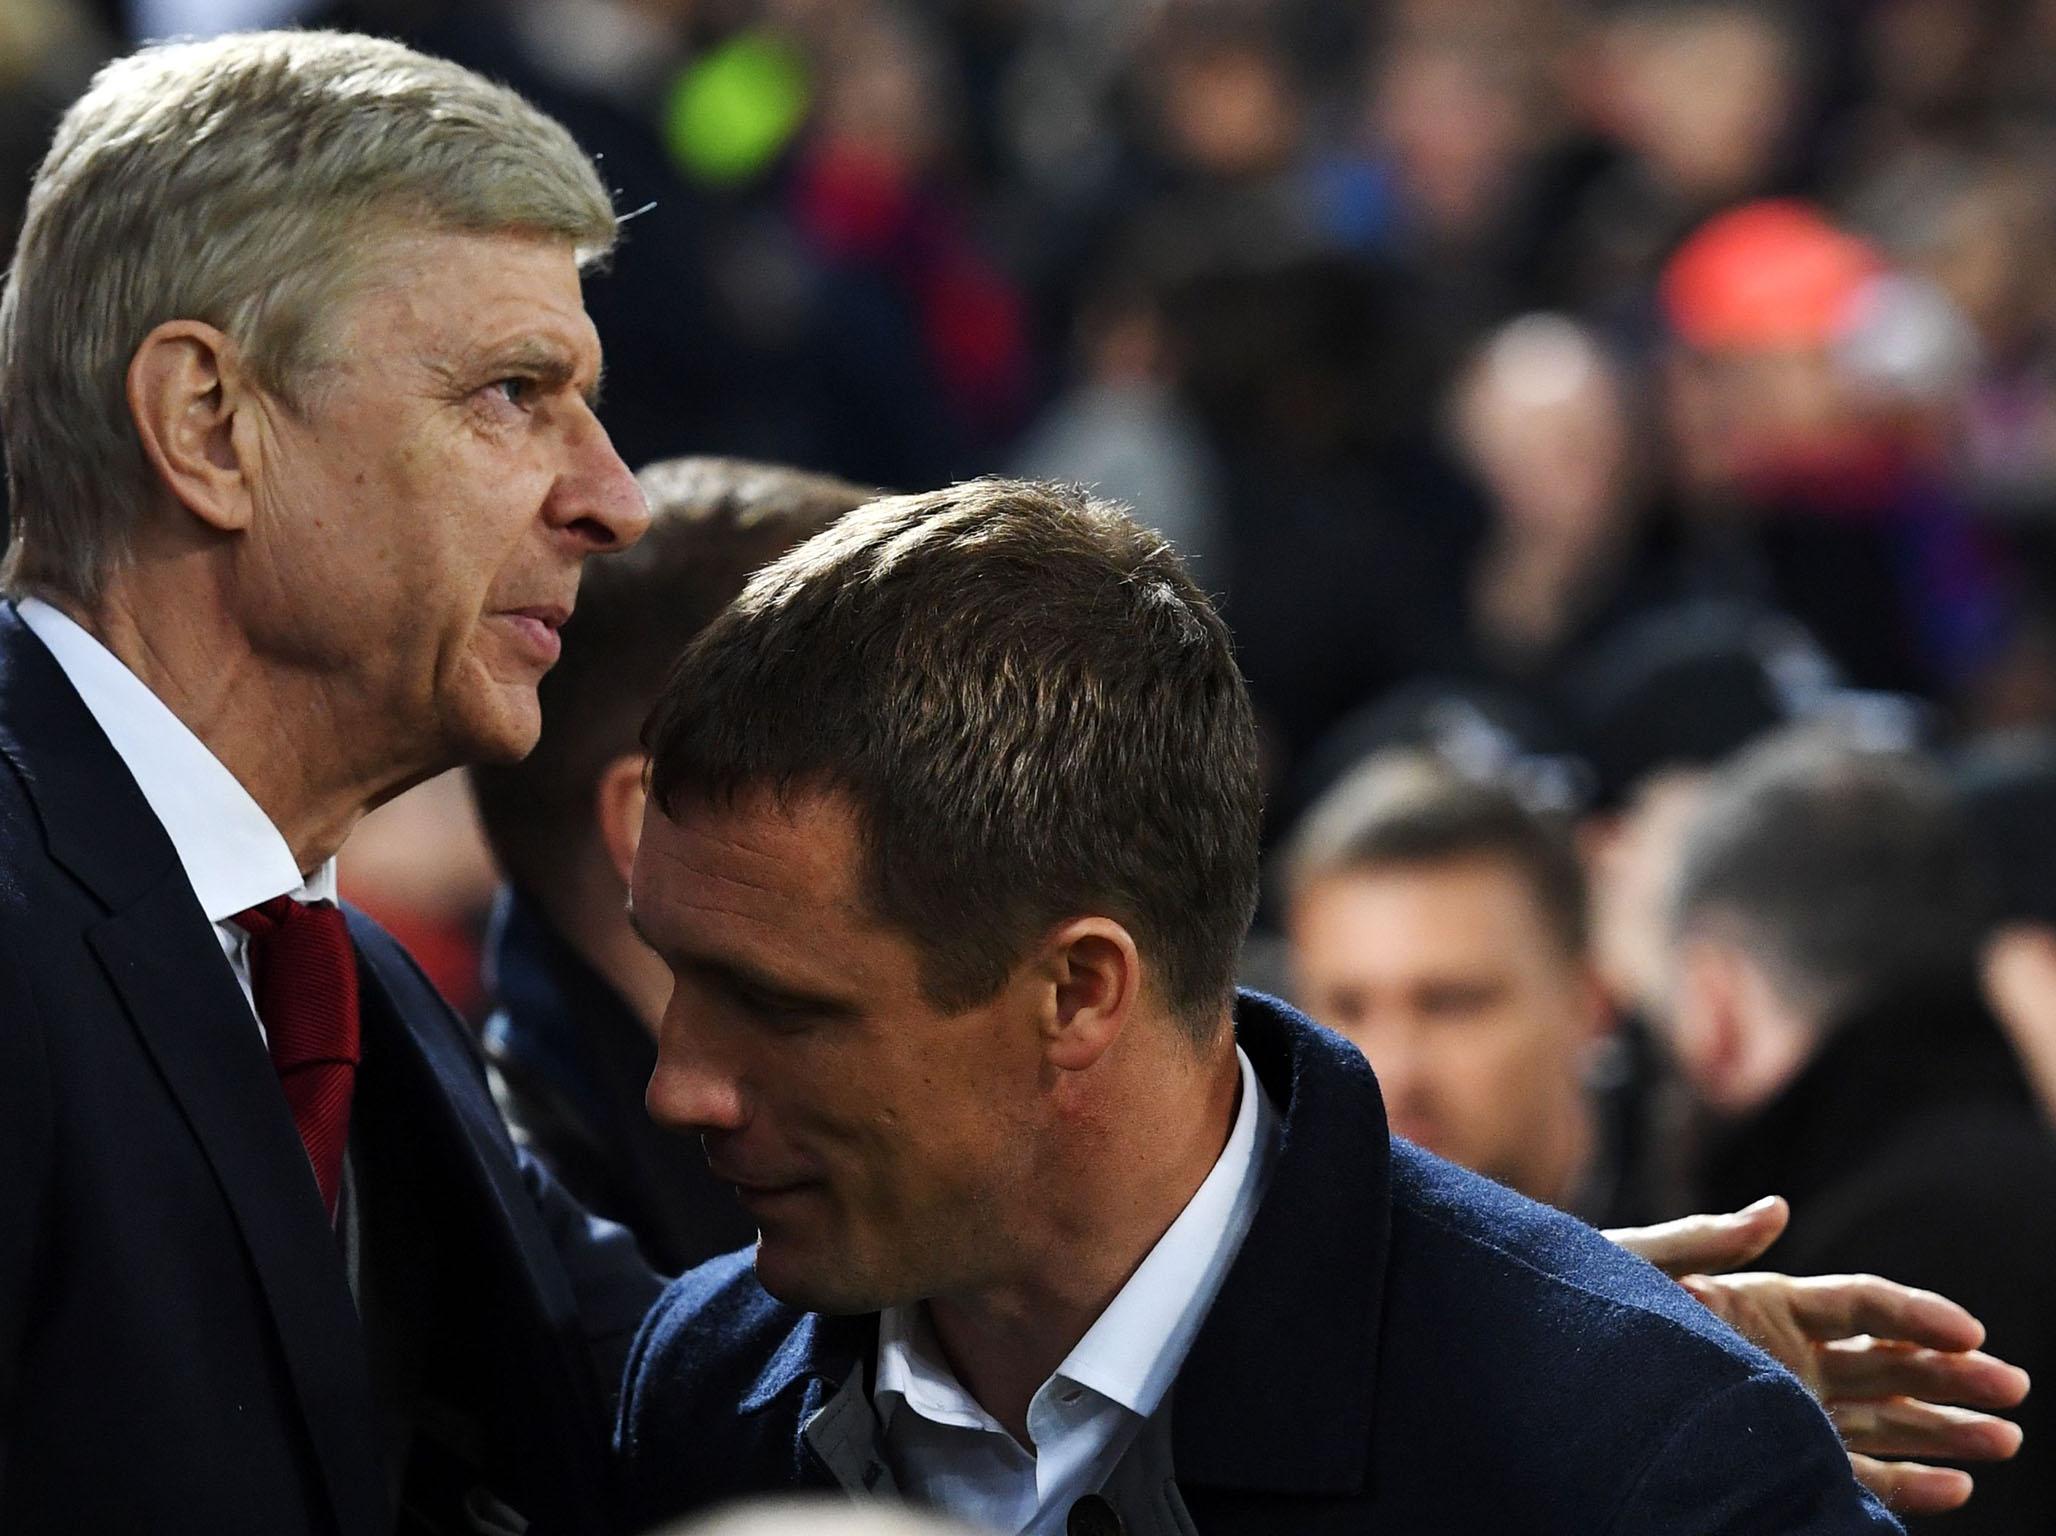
column 1632, row 857
column 1541, row 421
column 1453, row 119
column 865, row 1130
column 1995, row 257
column 1705, row 95
column 1760, row 394
column 1226, row 107
column 881, row 96
column 1924, row 54
column 1449, row 978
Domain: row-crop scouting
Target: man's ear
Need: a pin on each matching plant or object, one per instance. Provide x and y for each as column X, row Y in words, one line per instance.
column 618, row 809
column 194, row 411
column 1097, row 974
column 1706, row 1024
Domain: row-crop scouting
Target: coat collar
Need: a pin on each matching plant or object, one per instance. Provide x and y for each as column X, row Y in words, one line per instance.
column 1297, row 1322
column 96, row 823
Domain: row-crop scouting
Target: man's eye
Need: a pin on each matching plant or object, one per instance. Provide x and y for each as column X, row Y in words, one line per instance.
column 515, row 391
column 774, row 1011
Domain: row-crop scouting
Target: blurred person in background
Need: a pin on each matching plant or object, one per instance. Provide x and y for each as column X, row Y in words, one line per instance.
column 1805, row 390
column 1571, row 548
column 2007, row 785
column 1439, row 925
column 572, row 1039
column 1681, row 107
column 1654, row 710
column 1826, row 1010
column 1122, row 427
column 1452, row 111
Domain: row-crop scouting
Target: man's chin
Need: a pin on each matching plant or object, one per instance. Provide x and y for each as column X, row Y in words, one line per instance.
column 500, row 728
column 813, row 1284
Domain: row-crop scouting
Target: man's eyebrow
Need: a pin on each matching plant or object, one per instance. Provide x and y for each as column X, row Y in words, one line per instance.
column 738, row 974
column 548, row 364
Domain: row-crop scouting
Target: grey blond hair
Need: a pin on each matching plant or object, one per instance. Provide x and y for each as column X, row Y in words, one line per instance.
column 240, row 182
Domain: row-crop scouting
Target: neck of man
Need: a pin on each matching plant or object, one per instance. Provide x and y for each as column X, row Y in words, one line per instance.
column 1138, row 1158
column 310, row 768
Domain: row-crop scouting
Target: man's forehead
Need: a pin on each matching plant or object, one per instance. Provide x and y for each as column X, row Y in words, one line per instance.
column 757, row 849
column 466, row 295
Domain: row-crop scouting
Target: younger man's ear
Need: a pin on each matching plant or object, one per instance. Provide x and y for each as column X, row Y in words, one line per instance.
column 1098, row 977
column 618, row 809
column 193, row 408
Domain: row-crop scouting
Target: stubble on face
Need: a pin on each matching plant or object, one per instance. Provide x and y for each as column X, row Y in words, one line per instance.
column 881, row 1143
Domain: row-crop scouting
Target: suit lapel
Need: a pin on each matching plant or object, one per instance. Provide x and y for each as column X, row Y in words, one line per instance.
column 194, row 1022
column 162, row 959
column 531, row 1411
column 439, row 1074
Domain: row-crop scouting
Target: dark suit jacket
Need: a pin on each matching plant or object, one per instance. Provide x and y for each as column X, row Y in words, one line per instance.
column 571, row 1061
column 1400, row 1347
column 180, row 1347
column 1911, row 1146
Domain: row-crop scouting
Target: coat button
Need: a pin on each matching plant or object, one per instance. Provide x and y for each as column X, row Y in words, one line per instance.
column 1093, row 1516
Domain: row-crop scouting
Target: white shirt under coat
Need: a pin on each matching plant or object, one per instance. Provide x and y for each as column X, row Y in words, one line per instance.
column 231, row 852
column 947, row 1451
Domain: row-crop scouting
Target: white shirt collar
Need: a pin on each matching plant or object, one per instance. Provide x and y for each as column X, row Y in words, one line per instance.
column 1133, row 1352
column 231, row 852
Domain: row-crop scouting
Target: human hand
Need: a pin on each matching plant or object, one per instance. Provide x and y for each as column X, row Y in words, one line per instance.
column 1694, row 1245
column 1898, row 1369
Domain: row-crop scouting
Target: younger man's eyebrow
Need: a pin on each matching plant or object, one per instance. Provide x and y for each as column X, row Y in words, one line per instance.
column 732, row 974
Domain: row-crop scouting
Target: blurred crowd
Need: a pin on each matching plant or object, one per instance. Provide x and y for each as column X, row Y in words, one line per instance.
column 1489, row 349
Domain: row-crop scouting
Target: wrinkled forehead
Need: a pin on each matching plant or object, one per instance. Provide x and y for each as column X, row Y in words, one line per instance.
column 452, row 300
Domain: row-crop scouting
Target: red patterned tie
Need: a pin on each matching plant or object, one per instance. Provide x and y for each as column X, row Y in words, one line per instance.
column 304, row 975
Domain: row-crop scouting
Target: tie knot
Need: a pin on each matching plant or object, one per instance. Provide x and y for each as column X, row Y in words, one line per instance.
column 268, row 917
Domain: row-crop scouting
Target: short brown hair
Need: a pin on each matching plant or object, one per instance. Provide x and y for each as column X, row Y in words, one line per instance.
column 1034, row 710
column 1406, row 808
column 713, row 522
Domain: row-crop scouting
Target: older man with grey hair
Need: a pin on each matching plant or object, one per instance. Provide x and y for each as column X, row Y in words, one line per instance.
column 297, row 387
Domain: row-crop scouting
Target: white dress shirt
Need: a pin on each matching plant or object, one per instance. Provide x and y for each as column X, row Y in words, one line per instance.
column 948, row 1451
column 232, row 854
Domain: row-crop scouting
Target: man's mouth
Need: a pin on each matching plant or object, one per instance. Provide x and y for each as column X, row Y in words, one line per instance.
column 538, row 626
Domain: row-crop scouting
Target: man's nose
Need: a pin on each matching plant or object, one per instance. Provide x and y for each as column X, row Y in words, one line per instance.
column 596, row 497
column 691, row 1091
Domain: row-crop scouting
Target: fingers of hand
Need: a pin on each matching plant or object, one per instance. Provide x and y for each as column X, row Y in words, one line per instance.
column 1837, row 1306
column 1865, row 1367
column 1911, row 1488
column 1695, row 1244
column 1897, row 1426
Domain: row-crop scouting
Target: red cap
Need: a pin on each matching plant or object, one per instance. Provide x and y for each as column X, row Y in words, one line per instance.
column 1769, row 274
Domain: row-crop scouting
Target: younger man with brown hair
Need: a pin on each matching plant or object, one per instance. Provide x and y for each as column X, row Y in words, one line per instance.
column 952, row 842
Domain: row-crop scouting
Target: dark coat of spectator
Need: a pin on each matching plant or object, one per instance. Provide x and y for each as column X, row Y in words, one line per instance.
column 569, row 1062
column 1910, row 1146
